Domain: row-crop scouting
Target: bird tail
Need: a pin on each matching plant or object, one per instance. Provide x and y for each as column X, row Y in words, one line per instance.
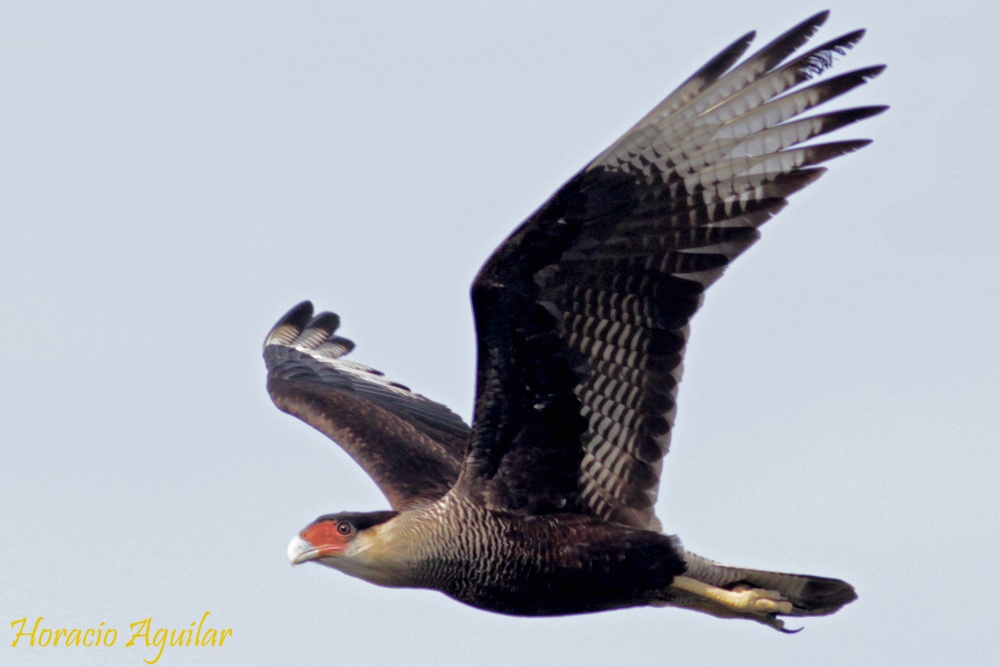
column 808, row 595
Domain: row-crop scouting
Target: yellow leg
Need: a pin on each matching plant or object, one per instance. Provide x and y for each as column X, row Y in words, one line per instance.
column 745, row 601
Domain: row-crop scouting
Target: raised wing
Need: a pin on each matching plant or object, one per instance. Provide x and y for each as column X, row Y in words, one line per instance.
column 582, row 313
column 410, row 446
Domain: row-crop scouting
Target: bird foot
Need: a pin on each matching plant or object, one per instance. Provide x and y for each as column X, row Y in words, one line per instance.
column 741, row 600
column 761, row 601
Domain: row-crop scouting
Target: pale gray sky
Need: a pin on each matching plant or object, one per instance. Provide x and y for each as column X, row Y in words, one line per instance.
column 174, row 176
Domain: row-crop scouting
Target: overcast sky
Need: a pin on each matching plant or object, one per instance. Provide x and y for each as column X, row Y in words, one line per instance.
column 175, row 175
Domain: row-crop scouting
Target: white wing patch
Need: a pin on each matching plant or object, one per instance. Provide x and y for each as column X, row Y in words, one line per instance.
column 717, row 157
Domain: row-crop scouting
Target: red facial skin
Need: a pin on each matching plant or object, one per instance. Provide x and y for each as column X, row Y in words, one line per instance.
column 328, row 538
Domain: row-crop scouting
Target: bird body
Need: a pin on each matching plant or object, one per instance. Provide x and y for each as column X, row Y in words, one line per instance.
column 571, row 563
column 545, row 504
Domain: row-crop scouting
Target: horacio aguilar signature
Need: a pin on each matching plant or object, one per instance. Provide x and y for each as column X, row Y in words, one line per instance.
column 142, row 633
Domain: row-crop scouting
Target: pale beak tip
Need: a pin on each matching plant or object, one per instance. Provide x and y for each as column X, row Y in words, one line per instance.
column 299, row 551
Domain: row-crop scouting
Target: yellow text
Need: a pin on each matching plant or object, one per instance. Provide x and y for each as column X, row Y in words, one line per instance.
column 43, row 636
column 160, row 638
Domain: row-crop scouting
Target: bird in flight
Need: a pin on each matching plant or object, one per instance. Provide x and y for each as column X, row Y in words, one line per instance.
column 545, row 505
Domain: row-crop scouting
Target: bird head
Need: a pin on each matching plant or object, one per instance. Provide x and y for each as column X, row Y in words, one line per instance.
column 352, row 542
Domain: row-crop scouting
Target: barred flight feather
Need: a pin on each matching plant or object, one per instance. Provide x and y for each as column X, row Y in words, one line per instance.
column 623, row 254
column 676, row 124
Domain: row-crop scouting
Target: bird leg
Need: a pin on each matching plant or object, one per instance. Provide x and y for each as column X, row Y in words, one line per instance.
column 742, row 600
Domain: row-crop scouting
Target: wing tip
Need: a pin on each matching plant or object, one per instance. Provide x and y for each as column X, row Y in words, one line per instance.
column 814, row 21
column 300, row 328
column 289, row 325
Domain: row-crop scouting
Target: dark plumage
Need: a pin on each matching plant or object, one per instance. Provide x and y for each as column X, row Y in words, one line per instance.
column 545, row 506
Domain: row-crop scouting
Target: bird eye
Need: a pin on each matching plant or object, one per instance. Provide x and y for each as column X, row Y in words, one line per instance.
column 345, row 528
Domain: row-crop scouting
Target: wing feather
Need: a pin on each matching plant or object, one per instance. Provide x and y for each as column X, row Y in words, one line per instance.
column 582, row 313
column 409, row 445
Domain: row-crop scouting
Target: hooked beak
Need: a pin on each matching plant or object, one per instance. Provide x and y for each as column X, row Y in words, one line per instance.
column 300, row 551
